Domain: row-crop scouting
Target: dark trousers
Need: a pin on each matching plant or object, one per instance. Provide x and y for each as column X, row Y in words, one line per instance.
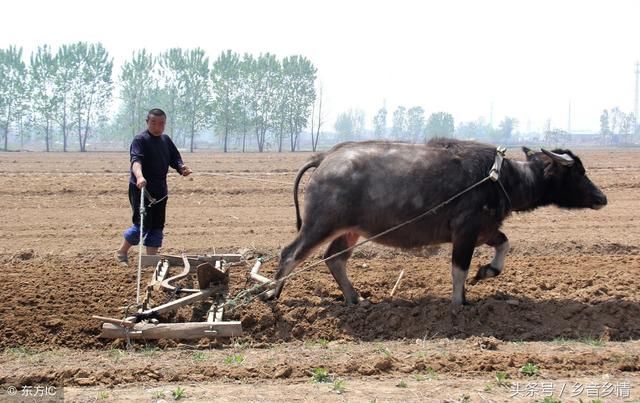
column 154, row 213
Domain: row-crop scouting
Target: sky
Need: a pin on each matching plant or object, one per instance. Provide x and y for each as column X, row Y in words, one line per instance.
column 532, row 60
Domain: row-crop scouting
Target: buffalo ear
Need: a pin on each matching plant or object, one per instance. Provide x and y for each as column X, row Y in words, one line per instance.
column 562, row 159
column 529, row 153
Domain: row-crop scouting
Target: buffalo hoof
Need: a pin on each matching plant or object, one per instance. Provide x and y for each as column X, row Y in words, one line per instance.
column 485, row 272
column 350, row 301
column 353, row 301
column 464, row 302
column 460, row 308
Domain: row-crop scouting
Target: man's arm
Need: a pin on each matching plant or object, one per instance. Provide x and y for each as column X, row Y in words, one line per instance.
column 137, row 154
column 136, row 168
column 176, row 160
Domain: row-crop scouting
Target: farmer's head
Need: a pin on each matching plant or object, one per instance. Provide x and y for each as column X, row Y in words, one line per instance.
column 156, row 119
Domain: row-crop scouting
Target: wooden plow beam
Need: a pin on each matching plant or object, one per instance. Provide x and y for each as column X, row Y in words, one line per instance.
column 212, row 274
column 189, row 330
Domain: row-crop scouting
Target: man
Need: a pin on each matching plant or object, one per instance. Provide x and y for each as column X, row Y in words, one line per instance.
column 152, row 153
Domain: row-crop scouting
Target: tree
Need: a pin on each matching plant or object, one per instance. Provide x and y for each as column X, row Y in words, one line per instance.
column 506, row 128
column 555, row 137
column 298, row 80
column 478, row 129
column 279, row 118
column 415, row 123
column 247, row 113
column 350, row 124
column 344, row 126
column 605, row 132
column 358, row 117
column 380, row 123
column 264, row 75
column 616, row 116
column 227, row 105
column 138, row 87
column 171, row 63
column 13, row 89
column 197, row 90
column 314, row 139
column 45, row 102
column 187, row 79
column 440, row 124
column 626, row 128
column 399, row 128
column 65, row 73
column 91, row 87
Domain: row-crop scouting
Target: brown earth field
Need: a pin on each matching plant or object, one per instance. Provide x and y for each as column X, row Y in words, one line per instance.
column 567, row 303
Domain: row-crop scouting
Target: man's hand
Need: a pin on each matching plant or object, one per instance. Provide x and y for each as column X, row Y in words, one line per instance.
column 141, row 182
column 185, row 171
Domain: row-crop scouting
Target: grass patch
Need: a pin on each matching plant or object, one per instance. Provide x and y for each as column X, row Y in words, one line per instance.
column 592, row 341
column 178, row 393
column 320, row 375
column 431, row 373
column 501, row 379
column 149, row 351
column 339, row 386
column 589, row 340
column 236, row 359
column 20, row 351
column 530, row 369
column 116, row 354
column 241, row 344
column 382, row 350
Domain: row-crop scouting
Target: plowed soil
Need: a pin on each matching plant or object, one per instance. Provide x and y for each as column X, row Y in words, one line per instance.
column 567, row 301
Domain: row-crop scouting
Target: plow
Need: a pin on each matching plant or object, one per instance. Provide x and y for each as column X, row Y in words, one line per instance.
column 200, row 278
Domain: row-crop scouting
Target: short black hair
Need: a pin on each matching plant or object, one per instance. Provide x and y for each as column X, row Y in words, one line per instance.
column 156, row 112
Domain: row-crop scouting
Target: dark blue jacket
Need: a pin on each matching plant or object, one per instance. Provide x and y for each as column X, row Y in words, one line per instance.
column 156, row 154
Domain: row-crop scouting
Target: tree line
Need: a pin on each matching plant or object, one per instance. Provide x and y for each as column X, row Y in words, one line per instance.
column 411, row 124
column 247, row 101
column 616, row 128
column 67, row 90
column 67, row 93
column 404, row 124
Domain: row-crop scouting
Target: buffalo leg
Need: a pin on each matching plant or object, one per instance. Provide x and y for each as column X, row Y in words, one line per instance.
column 296, row 252
column 463, row 247
column 338, row 265
column 500, row 243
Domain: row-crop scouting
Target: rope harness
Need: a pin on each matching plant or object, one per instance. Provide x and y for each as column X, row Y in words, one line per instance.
column 153, row 200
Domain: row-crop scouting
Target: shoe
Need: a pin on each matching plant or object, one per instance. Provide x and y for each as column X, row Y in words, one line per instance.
column 123, row 260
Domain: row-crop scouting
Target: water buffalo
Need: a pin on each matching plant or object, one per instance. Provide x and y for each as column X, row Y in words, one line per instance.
column 364, row 188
